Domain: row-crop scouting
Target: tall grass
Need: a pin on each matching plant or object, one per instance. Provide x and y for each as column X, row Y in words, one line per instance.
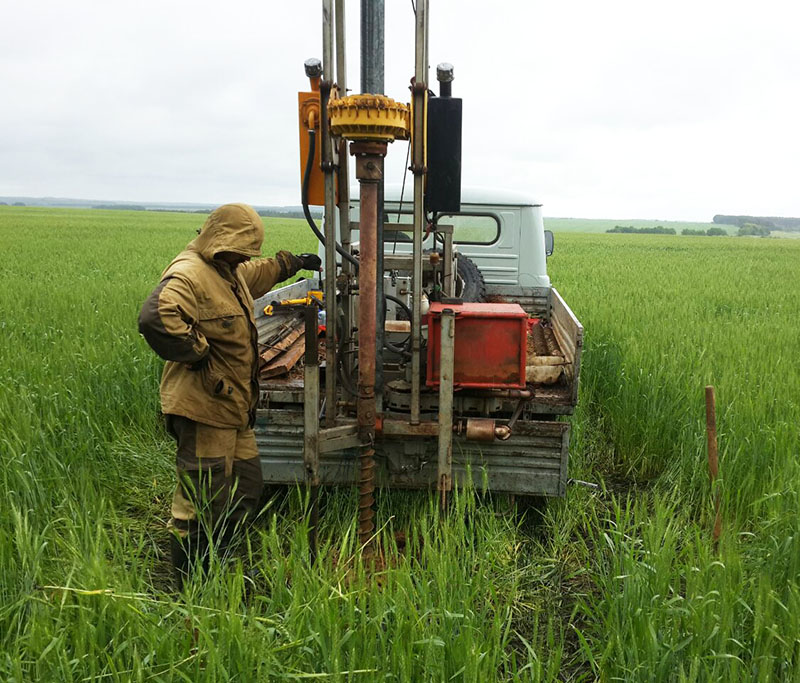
column 664, row 319
column 616, row 585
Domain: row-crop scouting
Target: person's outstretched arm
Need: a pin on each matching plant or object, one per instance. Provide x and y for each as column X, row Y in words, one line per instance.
column 263, row 274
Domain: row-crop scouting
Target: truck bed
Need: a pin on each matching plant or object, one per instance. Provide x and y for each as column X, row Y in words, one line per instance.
column 532, row 462
column 559, row 335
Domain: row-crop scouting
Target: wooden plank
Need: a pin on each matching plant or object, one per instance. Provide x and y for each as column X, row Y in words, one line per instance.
column 273, row 351
column 397, row 326
column 287, row 360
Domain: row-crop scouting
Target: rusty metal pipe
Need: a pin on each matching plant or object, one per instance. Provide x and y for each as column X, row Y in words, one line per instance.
column 367, row 320
column 480, row 429
column 369, row 171
column 367, row 304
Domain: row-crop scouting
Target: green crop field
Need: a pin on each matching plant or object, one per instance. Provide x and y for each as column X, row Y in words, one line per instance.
column 617, row 584
column 603, row 224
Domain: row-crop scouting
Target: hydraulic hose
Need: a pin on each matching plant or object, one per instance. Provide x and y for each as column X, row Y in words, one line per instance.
column 345, row 381
column 400, row 303
column 312, row 144
column 403, row 348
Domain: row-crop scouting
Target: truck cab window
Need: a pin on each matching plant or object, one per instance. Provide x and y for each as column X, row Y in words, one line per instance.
column 472, row 228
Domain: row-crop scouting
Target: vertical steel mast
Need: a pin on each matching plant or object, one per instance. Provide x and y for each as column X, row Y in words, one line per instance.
column 330, row 214
column 372, row 81
column 343, row 180
column 419, row 107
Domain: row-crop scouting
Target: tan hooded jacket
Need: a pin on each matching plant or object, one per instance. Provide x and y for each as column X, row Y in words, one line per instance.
column 200, row 320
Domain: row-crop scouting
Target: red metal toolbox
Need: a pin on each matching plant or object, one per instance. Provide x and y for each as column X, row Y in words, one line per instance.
column 490, row 345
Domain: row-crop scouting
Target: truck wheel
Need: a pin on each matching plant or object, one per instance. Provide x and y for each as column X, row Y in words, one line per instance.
column 470, row 285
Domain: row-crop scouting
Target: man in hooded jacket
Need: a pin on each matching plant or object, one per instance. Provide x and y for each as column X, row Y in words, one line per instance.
column 200, row 320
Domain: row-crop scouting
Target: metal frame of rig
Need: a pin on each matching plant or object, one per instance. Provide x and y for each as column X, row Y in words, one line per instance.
column 489, row 365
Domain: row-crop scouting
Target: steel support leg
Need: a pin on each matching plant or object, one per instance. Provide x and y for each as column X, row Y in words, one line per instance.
column 446, row 361
column 311, row 424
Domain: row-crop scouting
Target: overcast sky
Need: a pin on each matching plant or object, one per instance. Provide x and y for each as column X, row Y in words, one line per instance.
column 672, row 110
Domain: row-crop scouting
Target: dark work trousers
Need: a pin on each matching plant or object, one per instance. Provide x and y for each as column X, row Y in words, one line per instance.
column 219, row 483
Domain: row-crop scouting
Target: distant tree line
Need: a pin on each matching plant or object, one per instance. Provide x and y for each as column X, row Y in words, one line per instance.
column 770, row 222
column 264, row 213
column 180, row 210
column 753, row 230
column 120, row 207
column 656, row 230
column 711, row 232
column 267, row 213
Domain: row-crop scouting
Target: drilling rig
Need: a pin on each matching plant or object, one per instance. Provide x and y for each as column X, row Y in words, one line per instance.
column 447, row 356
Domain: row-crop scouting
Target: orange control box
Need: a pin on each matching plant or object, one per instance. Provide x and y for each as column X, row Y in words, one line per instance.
column 309, row 116
column 490, row 345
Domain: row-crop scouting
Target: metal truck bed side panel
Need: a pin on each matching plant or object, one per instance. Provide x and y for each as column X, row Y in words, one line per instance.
column 535, row 300
column 569, row 334
column 267, row 324
column 532, row 462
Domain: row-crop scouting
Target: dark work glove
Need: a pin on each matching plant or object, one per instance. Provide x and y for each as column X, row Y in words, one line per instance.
column 310, row 261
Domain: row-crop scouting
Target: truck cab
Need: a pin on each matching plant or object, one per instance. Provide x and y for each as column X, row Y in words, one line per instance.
column 502, row 232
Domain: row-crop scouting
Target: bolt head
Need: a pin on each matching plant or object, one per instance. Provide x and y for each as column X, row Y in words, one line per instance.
column 444, row 72
column 313, row 67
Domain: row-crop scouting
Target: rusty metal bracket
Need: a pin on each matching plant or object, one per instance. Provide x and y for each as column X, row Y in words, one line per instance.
column 516, row 414
column 339, row 438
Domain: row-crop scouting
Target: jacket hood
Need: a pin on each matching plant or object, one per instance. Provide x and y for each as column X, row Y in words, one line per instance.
column 232, row 227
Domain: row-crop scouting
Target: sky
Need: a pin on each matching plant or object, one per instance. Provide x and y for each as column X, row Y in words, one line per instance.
column 672, row 110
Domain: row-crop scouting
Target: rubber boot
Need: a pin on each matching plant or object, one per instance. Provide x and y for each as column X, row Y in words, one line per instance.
column 180, row 561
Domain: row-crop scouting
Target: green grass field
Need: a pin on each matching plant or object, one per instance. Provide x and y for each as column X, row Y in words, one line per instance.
column 603, row 224
column 620, row 584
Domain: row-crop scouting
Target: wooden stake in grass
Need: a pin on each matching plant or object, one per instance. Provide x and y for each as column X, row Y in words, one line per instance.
column 713, row 458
